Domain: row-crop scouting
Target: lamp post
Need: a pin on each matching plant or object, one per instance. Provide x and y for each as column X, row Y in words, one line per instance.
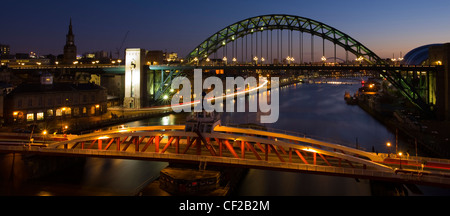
column 400, row 156
column 44, row 134
column 63, row 110
column 324, row 59
column 196, row 60
column 388, row 144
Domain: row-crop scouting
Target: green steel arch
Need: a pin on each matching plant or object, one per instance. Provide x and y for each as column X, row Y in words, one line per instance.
column 281, row 21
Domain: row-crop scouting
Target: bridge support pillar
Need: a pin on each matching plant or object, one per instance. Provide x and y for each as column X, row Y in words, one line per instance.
column 440, row 55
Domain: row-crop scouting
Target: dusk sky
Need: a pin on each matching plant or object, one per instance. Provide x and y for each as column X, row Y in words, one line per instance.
column 385, row 27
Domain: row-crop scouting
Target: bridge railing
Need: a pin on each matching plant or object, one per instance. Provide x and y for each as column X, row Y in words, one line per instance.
column 298, row 134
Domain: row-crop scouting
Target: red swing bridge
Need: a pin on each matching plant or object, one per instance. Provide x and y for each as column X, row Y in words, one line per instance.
column 215, row 144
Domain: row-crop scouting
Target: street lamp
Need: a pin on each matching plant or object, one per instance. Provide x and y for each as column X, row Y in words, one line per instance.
column 255, row 59
column 400, row 155
column 388, row 144
column 44, row 133
column 196, row 60
column 290, row 59
column 360, row 59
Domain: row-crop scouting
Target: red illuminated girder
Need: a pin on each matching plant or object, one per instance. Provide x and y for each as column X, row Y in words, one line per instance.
column 109, row 143
column 137, row 143
column 150, row 140
column 260, row 147
column 132, row 140
column 169, row 142
column 92, row 144
column 177, row 145
column 326, row 161
column 276, row 152
column 208, row 145
column 230, row 148
column 241, row 144
column 157, row 139
column 188, row 144
column 120, row 142
column 301, row 156
column 253, row 150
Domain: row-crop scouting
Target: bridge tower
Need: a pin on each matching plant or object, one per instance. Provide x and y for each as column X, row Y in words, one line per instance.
column 135, row 78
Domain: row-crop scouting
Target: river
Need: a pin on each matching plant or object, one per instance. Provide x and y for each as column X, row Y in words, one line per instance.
column 315, row 109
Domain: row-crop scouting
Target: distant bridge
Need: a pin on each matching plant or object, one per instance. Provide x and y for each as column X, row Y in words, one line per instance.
column 92, row 68
column 258, row 41
column 244, row 147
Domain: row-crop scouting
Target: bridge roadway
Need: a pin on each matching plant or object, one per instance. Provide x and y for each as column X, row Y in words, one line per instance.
column 238, row 147
column 344, row 67
column 120, row 69
column 94, row 68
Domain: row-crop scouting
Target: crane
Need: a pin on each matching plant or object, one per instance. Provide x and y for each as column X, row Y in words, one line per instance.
column 121, row 45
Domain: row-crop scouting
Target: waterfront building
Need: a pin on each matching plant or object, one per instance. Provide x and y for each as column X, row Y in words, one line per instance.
column 439, row 90
column 46, row 100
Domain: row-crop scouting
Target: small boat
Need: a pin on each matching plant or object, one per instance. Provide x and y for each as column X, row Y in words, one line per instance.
column 351, row 100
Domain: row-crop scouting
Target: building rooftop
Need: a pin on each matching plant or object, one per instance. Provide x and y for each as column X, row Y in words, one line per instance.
column 418, row 55
column 55, row 87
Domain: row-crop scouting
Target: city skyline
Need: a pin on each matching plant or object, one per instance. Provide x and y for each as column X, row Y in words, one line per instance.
column 386, row 28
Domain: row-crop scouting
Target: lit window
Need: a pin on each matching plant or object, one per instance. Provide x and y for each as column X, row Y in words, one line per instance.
column 30, row 117
column 40, row 116
column 58, row 112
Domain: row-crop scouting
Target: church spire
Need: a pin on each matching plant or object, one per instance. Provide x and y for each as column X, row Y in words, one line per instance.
column 70, row 27
column 70, row 50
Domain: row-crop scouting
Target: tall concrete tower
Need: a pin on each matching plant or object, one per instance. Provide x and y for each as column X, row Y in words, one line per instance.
column 70, row 50
column 135, row 78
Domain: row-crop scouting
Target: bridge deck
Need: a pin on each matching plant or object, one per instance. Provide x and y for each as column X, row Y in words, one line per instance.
column 300, row 67
column 243, row 147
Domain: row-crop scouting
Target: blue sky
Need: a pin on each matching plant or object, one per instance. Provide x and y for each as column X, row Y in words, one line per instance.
column 385, row 27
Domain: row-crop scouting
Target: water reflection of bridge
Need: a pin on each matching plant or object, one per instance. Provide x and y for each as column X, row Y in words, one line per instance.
column 242, row 147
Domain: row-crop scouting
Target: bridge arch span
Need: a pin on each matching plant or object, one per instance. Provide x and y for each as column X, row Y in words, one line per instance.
column 280, row 22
